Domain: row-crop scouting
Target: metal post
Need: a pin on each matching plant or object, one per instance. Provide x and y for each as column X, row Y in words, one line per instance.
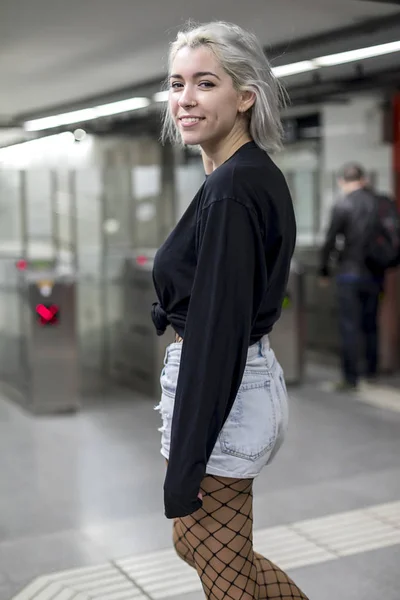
column 25, row 368
column 54, row 214
column 103, row 279
column 73, row 218
column 24, row 215
column 316, row 207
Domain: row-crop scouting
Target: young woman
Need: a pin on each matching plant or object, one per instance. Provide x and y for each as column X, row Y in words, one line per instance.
column 220, row 279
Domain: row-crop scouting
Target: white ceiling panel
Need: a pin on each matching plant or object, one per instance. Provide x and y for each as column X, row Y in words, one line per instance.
column 54, row 52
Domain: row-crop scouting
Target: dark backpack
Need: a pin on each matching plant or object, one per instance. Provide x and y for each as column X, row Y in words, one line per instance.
column 383, row 243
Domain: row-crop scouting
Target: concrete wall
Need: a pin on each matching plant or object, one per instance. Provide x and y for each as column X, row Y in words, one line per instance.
column 353, row 131
column 350, row 131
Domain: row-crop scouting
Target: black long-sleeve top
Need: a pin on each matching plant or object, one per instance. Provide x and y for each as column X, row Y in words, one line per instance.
column 220, row 279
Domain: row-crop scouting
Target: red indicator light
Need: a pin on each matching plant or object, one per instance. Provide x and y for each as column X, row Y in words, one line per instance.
column 21, row 265
column 47, row 314
column 141, row 260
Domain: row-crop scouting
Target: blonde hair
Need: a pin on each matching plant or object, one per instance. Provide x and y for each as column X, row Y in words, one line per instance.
column 243, row 59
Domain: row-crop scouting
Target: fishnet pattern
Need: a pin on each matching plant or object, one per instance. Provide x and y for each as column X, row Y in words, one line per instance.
column 217, row 541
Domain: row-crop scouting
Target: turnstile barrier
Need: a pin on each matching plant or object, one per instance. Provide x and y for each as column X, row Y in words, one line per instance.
column 288, row 336
column 47, row 361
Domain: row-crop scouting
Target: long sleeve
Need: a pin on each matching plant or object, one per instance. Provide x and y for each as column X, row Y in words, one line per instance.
column 334, row 229
column 228, row 287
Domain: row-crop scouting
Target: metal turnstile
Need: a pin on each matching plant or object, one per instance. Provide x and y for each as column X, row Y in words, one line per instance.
column 140, row 353
column 51, row 340
column 288, row 336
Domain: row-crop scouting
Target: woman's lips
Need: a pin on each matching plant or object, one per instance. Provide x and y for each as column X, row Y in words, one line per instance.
column 190, row 121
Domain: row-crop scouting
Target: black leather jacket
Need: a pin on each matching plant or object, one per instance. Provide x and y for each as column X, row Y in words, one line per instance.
column 351, row 219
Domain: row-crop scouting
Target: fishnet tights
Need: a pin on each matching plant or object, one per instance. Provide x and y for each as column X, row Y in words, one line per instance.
column 217, row 541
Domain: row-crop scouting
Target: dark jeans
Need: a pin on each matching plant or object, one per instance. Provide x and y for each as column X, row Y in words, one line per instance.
column 358, row 313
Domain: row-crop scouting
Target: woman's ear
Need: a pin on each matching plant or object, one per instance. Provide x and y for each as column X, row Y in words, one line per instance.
column 247, row 99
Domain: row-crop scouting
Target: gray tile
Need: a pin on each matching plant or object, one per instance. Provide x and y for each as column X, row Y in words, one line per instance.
column 8, row 591
column 372, row 575
column 100, row 502
column 119, row 539
column 278, row 506
column 27, row 515
column 27, row 558
column 381, row 565
column 98, row 466
column 194, row 596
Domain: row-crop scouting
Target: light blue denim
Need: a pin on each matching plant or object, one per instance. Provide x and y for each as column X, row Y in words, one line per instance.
column 257, row 424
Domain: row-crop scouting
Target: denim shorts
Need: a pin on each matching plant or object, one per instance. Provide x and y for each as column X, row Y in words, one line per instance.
column 257, row 423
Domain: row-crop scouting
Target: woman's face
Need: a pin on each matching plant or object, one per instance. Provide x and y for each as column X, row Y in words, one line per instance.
column 202, row 99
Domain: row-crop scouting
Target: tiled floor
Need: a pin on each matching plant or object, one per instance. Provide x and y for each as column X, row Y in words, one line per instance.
column 84, row 490
column 160, row 575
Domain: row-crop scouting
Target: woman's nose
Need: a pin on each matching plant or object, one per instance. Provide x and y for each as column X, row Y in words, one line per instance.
column 186, row 99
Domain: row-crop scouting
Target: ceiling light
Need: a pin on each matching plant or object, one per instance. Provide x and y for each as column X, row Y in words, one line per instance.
column 79, row 134
column 359, row 54
column 35, row 145
column 294, row 68
column 87, row 114
column 336, row 59
column 161, row 96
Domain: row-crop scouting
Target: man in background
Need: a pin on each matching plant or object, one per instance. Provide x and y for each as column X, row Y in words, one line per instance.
column 358, row 289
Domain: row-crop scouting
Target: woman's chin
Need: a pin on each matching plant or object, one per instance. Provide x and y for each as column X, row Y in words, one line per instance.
column 191, row 140
column 191, row 137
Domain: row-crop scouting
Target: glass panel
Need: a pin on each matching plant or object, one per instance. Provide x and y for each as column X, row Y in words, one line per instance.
column 304, row 195
column 12, row 339
column 146, row 184
column 62, row 209
column 90, row 285
column 89, row 218
column 90, row 296
column 10, row 212
column 300, row 165
column 38, row 192
column 117, row 236
column 117, row 217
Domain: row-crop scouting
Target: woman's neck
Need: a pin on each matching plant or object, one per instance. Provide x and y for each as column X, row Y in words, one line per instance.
column 213, row 157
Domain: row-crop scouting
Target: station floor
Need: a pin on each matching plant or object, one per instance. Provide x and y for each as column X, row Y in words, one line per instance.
column 81, row 511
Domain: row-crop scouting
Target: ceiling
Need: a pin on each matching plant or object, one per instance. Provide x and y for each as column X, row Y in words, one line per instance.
column 56, row 53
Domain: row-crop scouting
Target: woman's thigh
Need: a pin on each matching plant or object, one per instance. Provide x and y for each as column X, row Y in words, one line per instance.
column 220, row 537
column 224, row 523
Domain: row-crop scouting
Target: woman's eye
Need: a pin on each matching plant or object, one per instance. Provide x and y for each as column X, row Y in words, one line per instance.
column 175, row 85
column 207, row 84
